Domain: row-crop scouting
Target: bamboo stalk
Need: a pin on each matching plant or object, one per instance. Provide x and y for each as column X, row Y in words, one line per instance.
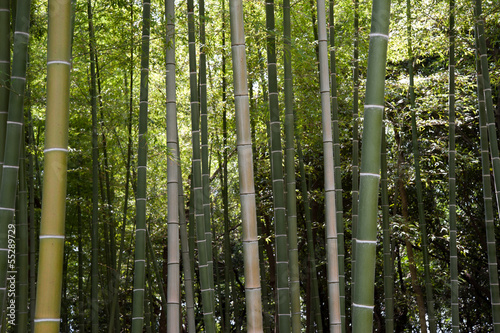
column 48, row 299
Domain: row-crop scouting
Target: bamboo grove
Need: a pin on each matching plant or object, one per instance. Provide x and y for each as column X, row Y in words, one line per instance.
column 249, row 166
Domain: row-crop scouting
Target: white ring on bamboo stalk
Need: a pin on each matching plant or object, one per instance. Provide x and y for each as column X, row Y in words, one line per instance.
column 22, row 33
column 366, row 241
column 18, row 77
column 138, row 317
column 41, row 320
column 9, row 209
column 62, row 62
column 369, row 175
column 48, row 150
column 374, row 106
column 14, row 123
column 377, row 34
column 51, row 236
column 363, row 306
column 4, row 62
column 11, row 166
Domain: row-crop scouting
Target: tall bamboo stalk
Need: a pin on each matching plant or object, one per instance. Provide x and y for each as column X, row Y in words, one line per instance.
column 330, row 210
column 355, row 143
column 488, row 199
column 490, row 117
column 388, row 262
column 140, row 231
column 95, row 179
column 455, row 316
column 22, row 249
column 206, row 275
column 48, row 299
column 173, row 275
column 245, row 166
column 337, row 165
column 418, row 181
column 281, row 238
column 4, row 74
column 291, row 199
column 13, row 138
column 366, row 239
column 310, row 244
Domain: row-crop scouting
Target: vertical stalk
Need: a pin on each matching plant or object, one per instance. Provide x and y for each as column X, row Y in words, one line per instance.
column 291, row 199
column 330, row 207
column 355, row 144
column 418, row 181
column 22, row 248
column 281, row 238
column 173, row 275
column 13, row 138
column 455, row 316
column 140, row 231
column 366, row 239
column 245, row 166
column 388, row 263
column 337, row 165
column 95, row 179
column 4, row 74
column 48, row 304
column 310, row 243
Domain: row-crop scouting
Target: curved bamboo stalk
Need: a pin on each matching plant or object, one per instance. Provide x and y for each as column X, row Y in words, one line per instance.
column 488, row 199
column 245, row 165
column 13, row 138
column 366, row 239
column 330, row 214
column 48, row 298
column 140, row 231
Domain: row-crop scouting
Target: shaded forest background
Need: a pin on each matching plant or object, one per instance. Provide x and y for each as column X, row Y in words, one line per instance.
column 117, row 27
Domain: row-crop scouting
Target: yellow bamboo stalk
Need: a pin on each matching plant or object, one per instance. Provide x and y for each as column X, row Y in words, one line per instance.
column 48, row 298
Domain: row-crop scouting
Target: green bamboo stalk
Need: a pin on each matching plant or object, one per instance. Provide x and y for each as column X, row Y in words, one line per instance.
column 355, row 144
column 388, row 262
column 206, row 275
column 95, row 179
column 152, row 258
column 114, row 304
column 173, row 275
column 455, row 315
column 4, row 74
column 140, row 231
column 186, row 259
column 337, row 166
column 291, row 197
column 330, row 207
column 48, row 299
column 310, row 242
column 490, row 116
column 366, row 239
column 81, row 301
column 22, row 248
column 32, row 228
column 205, row 169
column 245, row 165
column 281, row 238
column 228, row 265
column 13, row 138
column 418, row 181
column 488, row 198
